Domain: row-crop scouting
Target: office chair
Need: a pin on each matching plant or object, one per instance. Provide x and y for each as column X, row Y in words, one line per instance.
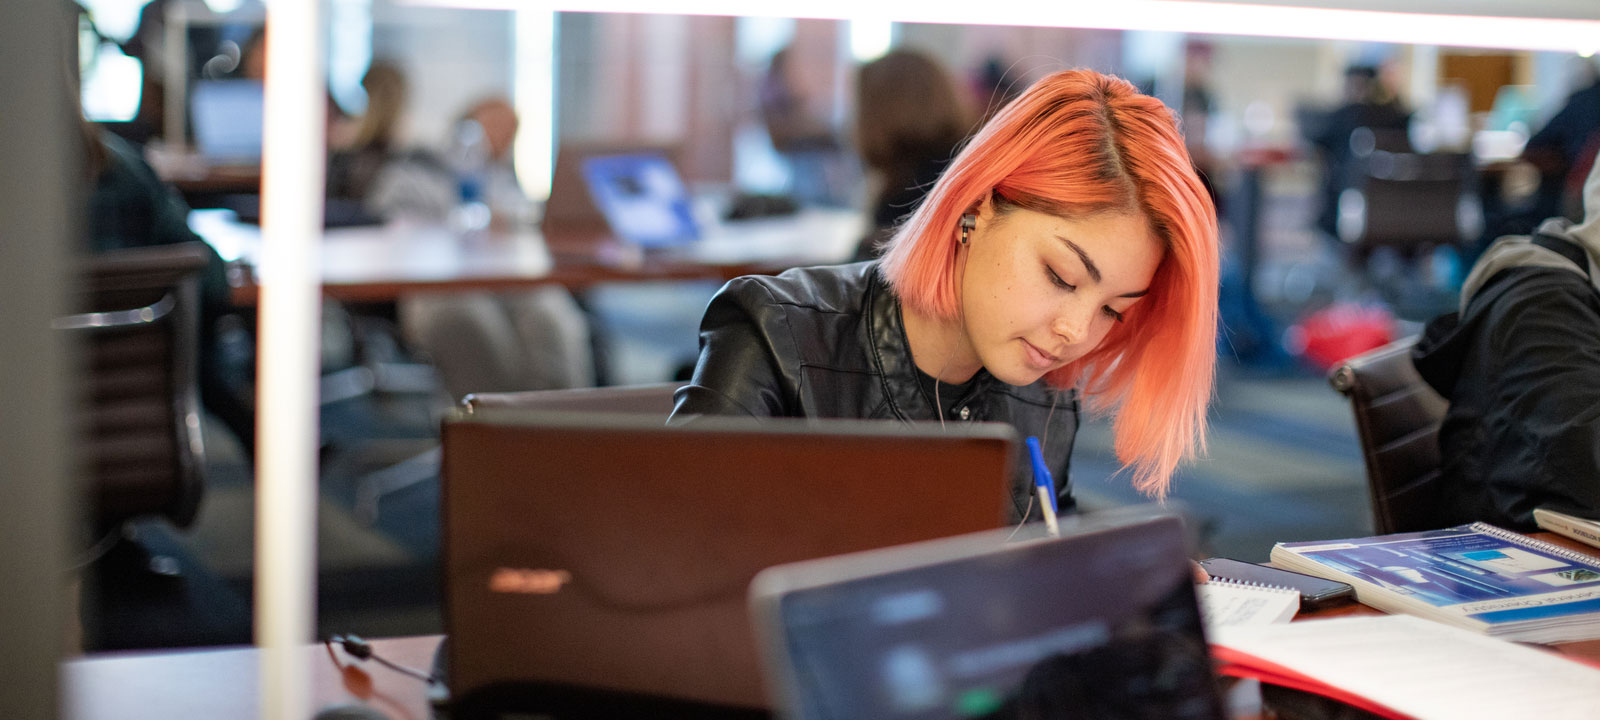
column 652, row 399
column 1407, row 201
column 1397, row 419
column 137, row 416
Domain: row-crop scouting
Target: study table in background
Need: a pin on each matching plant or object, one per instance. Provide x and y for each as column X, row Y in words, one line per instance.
column 222, row 683
column 382, row 263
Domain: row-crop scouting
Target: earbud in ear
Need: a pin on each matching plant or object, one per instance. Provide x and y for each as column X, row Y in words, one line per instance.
column 968, row 222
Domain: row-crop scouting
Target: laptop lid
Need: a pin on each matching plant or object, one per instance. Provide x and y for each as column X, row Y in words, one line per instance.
column 227, row 119
column 1101, row 622
column 615, row 553
column 570, row 208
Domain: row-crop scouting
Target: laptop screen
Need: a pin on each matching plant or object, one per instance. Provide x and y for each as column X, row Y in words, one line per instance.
column 643, row 199
column 1101, row 623
column 227, row 120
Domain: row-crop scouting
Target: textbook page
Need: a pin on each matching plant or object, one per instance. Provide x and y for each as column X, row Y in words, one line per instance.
column 1425, row 669
column 1224, row 602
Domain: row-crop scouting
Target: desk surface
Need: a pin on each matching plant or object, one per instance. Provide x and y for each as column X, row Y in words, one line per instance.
column 381, row 263
column 221, row 683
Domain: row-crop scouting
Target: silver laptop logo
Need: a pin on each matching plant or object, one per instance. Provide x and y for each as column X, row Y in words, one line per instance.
column 523, row 581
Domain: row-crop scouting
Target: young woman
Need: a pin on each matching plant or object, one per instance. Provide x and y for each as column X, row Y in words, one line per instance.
column 1068, row 251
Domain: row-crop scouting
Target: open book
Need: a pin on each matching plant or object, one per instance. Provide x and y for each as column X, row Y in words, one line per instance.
column 1479, row 577
column 1583, row 530
column 1403, row 667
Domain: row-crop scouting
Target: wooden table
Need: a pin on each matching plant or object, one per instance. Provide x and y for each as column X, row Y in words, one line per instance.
column 222, row 683
column 382, row 263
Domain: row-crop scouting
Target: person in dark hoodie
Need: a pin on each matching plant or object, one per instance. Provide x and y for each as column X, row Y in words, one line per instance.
column 1520, row 365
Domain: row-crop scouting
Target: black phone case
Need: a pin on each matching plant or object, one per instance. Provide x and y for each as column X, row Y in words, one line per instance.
column 1315, row 592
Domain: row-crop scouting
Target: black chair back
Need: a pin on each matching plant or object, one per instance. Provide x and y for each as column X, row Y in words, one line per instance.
column 137, row 411
column 1397, row 419
column 1408, row 201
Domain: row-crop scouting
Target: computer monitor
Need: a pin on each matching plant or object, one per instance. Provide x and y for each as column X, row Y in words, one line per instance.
column 1100, row 623
column 592, row 561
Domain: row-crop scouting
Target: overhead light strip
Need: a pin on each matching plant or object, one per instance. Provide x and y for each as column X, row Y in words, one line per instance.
column 1188, row 16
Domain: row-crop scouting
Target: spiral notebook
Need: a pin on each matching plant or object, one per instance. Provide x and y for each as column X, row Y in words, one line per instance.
column 1230, row 603
column 1478, row 576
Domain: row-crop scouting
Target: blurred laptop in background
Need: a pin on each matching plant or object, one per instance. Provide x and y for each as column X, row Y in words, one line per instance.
column 226, row 116
column 642, row 198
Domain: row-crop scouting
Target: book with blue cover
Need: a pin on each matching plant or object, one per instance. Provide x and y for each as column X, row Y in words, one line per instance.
column 1478, row 576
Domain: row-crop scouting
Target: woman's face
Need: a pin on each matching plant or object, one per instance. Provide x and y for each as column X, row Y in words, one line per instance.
column 1040, row 291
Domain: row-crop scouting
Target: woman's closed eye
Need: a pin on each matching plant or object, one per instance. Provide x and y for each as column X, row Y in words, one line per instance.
column 1114, row 315
column 1056, row 279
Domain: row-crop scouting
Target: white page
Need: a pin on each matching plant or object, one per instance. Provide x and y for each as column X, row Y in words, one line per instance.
column 1229, row 603
column 1426, row 669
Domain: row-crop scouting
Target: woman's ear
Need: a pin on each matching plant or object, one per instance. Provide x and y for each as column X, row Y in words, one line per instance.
column 983, row 209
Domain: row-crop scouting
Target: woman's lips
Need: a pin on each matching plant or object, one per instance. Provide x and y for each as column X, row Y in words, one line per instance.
column 1039, row 359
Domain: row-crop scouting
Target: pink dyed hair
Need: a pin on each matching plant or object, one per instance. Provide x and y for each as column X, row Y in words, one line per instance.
column 1077, row 143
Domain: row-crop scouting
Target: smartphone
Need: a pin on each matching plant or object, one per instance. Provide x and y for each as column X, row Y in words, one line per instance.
column 1315, row 592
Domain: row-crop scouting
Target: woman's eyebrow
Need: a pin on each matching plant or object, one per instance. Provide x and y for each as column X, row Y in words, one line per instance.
column 1094, row 272
column 1088, row 263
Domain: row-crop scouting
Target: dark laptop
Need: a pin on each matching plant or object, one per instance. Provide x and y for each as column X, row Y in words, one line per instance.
column 1099, row 623
column 598, row 565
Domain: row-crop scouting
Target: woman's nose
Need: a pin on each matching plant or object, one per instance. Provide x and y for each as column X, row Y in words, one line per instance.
column 1072, row 324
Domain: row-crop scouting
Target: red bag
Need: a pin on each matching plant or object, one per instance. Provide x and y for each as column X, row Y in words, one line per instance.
column 1328, row 336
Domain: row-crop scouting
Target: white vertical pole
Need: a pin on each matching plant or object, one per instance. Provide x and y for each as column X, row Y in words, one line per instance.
column 533, row 96
column 286, row 468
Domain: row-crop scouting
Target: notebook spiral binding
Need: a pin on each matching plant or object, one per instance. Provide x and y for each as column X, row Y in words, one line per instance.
column 1251, row 583
column 1517, row 538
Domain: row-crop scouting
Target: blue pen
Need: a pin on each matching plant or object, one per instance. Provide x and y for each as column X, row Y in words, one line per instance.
column 1044, row 486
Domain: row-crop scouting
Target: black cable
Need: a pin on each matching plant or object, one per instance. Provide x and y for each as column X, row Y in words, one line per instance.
column 360, row 649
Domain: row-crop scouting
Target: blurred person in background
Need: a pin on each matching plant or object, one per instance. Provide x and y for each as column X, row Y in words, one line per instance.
column 483, row 341
column 1564, row 149
column 799, row 132
column 375, row 138
column 1520, row 364
column 129, row 206
column 1195, row 109
column 1367, row 103
column 910, row 121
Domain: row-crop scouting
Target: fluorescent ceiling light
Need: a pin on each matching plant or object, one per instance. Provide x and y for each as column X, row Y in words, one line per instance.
column 1188, row 16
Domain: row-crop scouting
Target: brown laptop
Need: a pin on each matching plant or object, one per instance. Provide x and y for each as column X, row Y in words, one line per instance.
column 599, row 564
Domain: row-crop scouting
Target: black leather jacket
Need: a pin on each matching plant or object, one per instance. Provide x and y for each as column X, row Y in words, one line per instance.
column 828, row 342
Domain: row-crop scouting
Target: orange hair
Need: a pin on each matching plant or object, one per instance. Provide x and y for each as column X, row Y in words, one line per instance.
column 1078, row 143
